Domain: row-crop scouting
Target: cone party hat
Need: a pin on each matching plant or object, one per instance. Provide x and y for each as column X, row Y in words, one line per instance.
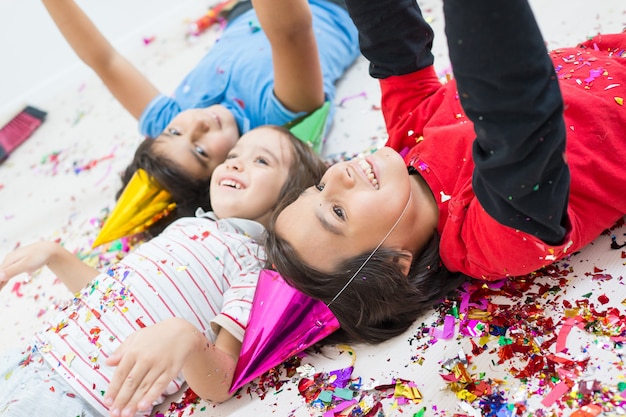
column 310, row 128
column 283, row 322
column 144, row 201
column 141, row 204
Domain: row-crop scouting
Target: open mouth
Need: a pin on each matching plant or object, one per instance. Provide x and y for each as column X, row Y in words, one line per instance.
column 369, row 172
column 231, row 183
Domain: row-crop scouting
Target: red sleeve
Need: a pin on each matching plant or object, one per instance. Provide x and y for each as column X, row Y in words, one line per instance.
column 611, row 42
column 476, row 244
column 408, row 101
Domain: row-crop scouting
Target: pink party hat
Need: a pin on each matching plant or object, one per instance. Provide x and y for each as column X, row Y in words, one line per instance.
column 283, row 322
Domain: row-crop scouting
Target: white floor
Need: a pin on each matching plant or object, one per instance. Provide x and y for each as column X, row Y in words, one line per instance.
column 60, row 182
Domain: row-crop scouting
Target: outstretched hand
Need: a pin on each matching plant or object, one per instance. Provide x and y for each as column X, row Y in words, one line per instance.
column 146, row 363
column 26, row 259
column 73, row 272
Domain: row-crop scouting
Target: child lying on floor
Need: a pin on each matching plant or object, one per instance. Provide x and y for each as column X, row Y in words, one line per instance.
column 173, row 310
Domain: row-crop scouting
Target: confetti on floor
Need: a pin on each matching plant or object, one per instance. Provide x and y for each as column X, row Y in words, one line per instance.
column 551, row 344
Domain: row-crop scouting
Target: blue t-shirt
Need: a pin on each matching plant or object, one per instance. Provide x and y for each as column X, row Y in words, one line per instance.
column 237, row 72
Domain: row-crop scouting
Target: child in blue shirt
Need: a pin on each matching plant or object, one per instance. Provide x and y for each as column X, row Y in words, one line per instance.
column 274, row 62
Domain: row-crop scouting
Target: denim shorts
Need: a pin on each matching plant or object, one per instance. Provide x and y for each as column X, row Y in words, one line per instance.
column 30, row 387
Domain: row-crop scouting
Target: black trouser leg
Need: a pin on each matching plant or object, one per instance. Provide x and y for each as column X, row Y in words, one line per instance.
column 393, row 35
column 508, row 88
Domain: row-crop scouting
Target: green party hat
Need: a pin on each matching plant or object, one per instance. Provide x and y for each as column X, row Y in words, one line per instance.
column 310, row 127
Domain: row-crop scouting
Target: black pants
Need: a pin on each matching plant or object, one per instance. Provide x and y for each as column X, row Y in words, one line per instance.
column 508, row 88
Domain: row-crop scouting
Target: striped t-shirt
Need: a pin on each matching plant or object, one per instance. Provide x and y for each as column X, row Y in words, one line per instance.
column 201, row 269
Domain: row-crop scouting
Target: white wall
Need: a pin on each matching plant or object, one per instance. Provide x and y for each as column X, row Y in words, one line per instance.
column 35, row 61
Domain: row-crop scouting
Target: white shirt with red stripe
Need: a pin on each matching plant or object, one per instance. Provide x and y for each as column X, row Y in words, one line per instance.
column 199, row 268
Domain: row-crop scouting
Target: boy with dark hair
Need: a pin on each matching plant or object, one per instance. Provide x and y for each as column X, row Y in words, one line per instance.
column 512, row 165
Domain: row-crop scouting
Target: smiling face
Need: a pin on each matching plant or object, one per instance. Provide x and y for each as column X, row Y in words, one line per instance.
column 352, row 209
column 248, row 183
column 197, row 140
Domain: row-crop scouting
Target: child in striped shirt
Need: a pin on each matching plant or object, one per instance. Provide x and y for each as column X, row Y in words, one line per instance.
column 174, row 310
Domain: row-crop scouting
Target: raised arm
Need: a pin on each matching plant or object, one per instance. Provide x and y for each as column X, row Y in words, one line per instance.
column 393, row 36
column 73, row 272
column 129, row 86
column 508, row 88
column 288, row 24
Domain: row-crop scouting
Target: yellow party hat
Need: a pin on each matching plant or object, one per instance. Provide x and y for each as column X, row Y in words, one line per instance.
column 142, row 203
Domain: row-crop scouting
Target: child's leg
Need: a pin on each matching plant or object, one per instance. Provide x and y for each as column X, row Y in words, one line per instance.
column 508, row 88
column 30, row 387
column 393, row 36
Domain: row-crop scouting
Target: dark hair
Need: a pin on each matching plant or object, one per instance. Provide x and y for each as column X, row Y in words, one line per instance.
column 189, row 193
column 381, row 302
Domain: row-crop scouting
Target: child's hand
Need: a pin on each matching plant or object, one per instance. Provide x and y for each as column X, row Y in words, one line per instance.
column 27, row 259
column 146, row 363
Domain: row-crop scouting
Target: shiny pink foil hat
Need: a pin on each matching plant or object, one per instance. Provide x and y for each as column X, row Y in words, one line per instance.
column 283, row 322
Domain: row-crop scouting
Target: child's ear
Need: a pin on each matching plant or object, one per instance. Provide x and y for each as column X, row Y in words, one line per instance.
column 405, row 259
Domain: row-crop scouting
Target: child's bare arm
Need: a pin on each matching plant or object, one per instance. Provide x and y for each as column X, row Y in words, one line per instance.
column 212, row 380
column 129, row 86
column 150, row 358
column 288, row 24
column 73, row 272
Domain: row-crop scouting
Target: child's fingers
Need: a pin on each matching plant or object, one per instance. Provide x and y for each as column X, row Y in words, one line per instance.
column 143, row 395
column 26, row 259
column 8, row 260
column 3, row 280
column 127, row 387
column 119, row 375
column 9, row 271
column 159, row 384
column 18, row 266
column 18, row 262
column 115, row 358
column 153, row 394
column 123, row 384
